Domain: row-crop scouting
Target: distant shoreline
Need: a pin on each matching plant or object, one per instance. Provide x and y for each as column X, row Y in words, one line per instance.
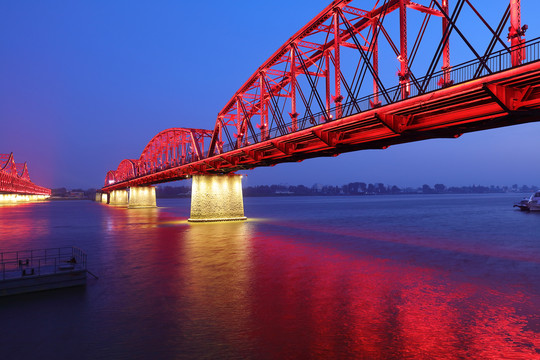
column 351, row 189
column 349, row 195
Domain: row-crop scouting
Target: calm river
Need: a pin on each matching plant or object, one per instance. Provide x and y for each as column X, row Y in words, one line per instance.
column 377, row 277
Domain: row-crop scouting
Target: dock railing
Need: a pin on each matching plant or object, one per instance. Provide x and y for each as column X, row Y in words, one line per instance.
column 41, row 262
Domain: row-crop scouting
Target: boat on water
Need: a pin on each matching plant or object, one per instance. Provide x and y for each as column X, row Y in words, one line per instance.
column 530, row 204
column 43, row 269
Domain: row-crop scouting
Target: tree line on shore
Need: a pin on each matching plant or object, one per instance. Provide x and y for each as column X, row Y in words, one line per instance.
column 354, row 188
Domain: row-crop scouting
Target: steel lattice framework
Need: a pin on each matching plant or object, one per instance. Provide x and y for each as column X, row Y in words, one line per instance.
column 15, row 179
column 307, row 100
column 170, row 148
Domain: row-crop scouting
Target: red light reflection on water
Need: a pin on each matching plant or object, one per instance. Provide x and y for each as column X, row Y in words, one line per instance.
column 314, row 302
column 19, row 226
column 230, row 289
column 423, row 241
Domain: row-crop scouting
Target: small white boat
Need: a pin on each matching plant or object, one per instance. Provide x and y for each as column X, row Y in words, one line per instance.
column 530, row 204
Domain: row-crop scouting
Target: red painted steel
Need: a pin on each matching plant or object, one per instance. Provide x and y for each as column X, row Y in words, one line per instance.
column 15, row 179
column 170, row 148
column 284, row 111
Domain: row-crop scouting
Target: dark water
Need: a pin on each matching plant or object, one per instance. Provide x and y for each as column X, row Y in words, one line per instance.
column 387, row 277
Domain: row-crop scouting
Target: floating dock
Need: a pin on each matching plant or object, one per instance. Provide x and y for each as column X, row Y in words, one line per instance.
column 44, row 269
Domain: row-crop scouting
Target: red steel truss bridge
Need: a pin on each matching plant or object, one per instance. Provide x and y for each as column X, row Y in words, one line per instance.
column 14, row 178
column 333, row 88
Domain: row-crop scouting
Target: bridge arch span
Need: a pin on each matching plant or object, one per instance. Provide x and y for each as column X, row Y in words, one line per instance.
column 7, row 163
column 15, row 178
column 126, row 170
column 110, row 177
column 22, row 170
column 167, row 149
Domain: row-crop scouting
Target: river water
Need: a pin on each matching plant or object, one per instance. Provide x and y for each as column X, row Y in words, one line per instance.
column 376, row 277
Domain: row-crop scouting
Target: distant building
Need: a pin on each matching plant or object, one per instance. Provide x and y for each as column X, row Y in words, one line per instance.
column 76, row 194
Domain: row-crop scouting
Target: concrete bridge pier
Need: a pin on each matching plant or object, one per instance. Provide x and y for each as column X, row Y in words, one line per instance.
column 142, row 197
column 9, row 198
column 105, row 198
column 216, row 198
column 118, row 197
column 98, row 196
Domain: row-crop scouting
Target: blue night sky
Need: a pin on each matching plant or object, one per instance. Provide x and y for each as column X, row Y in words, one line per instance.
column 85, row 84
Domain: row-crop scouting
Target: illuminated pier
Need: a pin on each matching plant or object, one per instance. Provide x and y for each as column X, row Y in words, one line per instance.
column 216, row 198
column 142, row 197
column 118, row 198
column 21, row 198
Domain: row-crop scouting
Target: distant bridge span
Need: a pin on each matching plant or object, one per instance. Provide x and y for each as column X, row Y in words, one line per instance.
column 306, row 100
column 15, row 179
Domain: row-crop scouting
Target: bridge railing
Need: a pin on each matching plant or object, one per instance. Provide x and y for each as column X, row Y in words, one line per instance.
column 470, row 70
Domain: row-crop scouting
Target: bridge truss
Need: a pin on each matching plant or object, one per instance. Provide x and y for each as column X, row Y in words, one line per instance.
column 307, row 100
column 15, row 179
column 169, row 149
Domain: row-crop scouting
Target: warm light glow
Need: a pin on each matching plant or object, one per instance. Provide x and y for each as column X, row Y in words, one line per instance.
column 142, row 197
column 20, row 198
column 118, row 198
column 216, row 198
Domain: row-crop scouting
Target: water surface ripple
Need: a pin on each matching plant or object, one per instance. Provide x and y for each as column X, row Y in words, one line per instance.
column 379, row 277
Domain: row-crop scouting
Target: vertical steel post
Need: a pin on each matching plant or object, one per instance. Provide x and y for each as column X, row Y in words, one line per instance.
column 238, row 122
column 168, row 157
column 264, row 124
column 177, row 149
column 219, row 141
column 375, row 49
column 183, row 149
column 174, row 148
column 327, row 74
column 403, row 57
column 516, row 32
column 293, row 114
column 337, row 67
column 446, row 49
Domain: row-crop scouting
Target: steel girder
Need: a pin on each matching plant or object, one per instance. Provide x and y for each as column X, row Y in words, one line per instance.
column 304, row 82
column 306, row 99
column 168, row 149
